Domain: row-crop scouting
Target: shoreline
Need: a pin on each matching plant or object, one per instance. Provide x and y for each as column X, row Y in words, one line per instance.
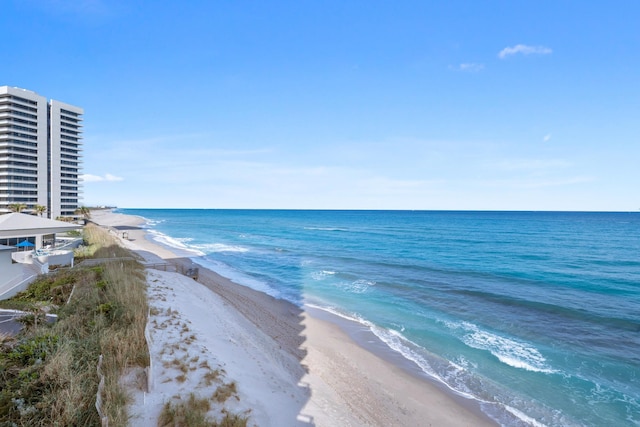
column 346, row 380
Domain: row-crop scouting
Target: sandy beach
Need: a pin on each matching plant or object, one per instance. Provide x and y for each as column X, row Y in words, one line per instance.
column 291, row 366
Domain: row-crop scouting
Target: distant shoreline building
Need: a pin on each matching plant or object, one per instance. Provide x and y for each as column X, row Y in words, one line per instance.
column 40, row 153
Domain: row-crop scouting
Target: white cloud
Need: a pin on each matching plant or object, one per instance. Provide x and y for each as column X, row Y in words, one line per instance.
column 96, row 178
column 524, row 49
column 469, row 67
column 547, row 137
column 109, row 177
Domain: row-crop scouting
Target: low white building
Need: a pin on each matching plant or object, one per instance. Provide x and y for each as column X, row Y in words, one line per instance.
column 18, row 227
column 9, row 268
column 21, row 262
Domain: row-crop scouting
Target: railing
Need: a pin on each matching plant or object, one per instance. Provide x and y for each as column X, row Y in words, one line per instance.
column 70, row 242
column 103, row 418
column 149, row 369
column 192, row 272
column 164, row 266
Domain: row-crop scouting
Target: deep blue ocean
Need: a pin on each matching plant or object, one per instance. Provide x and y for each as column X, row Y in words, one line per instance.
column 536, row 315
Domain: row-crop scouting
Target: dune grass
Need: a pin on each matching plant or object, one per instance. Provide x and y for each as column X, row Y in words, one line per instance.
column 48, row 372
column 192, row 412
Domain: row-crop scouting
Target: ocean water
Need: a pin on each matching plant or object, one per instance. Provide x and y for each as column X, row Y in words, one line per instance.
column 534, row 315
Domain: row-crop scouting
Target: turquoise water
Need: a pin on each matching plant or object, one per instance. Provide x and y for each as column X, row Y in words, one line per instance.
column 536, row 315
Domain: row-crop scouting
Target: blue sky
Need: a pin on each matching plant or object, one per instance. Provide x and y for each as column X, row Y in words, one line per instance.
column 527, row 105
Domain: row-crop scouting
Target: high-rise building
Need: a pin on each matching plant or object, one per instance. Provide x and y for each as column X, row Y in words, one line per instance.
column 40, row 153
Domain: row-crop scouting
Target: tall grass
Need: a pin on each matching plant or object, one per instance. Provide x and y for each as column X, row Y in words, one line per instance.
column 48, row 373
column 98, row 243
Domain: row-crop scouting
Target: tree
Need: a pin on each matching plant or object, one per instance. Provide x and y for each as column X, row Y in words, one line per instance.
column 84, row 211
column 40, row 209
column 17, row 207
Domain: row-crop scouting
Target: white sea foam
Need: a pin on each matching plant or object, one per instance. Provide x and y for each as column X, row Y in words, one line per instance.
column 220, row 247
column 175, row 243
column 336, row 312
column 359, row 286
column 183, row 243
column 509, row 351
column 461, row 362
column 401, row 344
column 151, row 222
column 530, row 421
column 321, row 275
column 454, row 377
column 455, row 374
column 326, row 228
column 397, row 342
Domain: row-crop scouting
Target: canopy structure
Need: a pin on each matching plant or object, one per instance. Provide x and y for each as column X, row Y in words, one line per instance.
column 19, row 225
column 25, row 244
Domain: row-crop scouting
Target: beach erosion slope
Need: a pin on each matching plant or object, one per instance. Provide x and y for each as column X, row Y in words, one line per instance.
column 290, row 368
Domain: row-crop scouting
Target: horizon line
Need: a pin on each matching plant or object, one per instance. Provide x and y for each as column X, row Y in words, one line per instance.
column 375, row 210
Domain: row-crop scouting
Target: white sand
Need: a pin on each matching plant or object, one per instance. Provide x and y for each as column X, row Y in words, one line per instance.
column 291, row 369
column 195, row 327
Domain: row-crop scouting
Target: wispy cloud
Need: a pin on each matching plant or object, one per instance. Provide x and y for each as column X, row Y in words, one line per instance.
column 524, row 50
column 470, row 67
column 547, row 137
column 97, row 178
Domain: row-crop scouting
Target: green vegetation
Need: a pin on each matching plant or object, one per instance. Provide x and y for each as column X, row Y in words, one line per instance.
column 48, row 372
column 40, row 210
column 97, row 243
column 74, row 233
column 17, row 207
